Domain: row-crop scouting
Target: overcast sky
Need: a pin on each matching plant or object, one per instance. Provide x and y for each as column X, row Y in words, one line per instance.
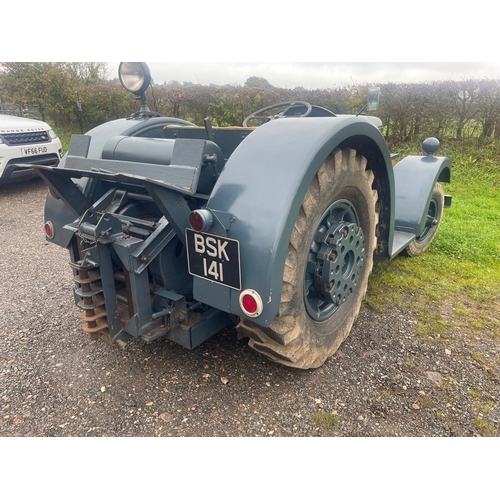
column 312, row 75
column 264, row 30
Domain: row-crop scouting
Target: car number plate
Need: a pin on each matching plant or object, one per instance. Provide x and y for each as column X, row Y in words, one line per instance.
column 214, row 258
column 34, row 150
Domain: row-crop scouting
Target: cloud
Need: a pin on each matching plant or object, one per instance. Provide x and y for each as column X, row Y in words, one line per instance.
column 312, row 75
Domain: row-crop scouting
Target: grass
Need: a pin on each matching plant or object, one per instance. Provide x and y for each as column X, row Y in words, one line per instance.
column 475, row 394
column 485, row 408
column 325, row 421
column 484, row 429
column 426, row 402
column 65, row 136
column 456, row 283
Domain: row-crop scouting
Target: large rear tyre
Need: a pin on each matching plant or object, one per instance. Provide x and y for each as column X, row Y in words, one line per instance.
column 329, row 260
column 436, row 206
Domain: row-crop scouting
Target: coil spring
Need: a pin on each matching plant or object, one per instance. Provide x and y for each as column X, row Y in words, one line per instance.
column 94, row 317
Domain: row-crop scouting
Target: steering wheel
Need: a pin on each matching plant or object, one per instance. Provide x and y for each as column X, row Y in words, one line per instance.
column 282, row 114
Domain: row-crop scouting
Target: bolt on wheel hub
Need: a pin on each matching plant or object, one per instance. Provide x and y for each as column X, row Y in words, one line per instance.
column 335, row 259
column 338, row 262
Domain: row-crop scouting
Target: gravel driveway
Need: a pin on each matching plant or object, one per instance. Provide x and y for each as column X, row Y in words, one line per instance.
column 55, row 381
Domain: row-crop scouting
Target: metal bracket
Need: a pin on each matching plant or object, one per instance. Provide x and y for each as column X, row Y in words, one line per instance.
column 171, row 304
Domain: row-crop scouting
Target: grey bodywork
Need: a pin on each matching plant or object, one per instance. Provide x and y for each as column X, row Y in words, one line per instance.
column 258, row 187
column 275, row 165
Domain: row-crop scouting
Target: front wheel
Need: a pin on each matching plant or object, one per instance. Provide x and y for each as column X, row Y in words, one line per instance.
column 422, row 242
column 329, row 260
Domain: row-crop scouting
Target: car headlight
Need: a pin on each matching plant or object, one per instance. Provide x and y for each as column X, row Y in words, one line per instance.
column 52, row 134
column 134, row 76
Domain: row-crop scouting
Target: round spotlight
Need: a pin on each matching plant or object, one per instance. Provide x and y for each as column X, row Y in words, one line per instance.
column 134, row 76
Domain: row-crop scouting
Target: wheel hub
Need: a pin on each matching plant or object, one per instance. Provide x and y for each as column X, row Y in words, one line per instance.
column 430, row 222
column 335, row 259
column 338, row 262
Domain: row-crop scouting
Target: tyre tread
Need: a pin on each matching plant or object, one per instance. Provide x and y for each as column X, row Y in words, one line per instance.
column 416, row 248
column 281, row 341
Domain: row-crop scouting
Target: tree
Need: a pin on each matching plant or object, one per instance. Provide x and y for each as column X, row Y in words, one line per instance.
column 489, row 106
column 53, row 88
column 258, row 82
column 88, row 73
column 464, row 97
column 41, row 84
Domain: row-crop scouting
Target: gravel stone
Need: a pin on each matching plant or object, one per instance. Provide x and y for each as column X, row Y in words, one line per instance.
column 55, row 381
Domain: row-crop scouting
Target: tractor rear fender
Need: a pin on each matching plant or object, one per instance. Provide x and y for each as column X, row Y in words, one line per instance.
column 415, row 177
column 263, row 185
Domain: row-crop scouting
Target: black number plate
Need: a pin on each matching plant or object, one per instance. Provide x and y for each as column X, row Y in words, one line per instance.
column 214, row 258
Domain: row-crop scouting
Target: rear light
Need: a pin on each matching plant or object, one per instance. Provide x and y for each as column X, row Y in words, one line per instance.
column 49, row 229
column 251, row 303
column 201, row 220
column 54, row 194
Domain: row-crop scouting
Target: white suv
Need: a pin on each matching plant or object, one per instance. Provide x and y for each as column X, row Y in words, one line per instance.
column 23, row 140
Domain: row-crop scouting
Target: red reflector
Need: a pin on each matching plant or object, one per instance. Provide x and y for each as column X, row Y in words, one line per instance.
column 49, row 230
column 196, row 221
column 249, row 304
column 53, row 193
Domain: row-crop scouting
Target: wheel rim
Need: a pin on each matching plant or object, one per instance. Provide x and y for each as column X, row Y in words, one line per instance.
column 431, row 220
column 334, row 262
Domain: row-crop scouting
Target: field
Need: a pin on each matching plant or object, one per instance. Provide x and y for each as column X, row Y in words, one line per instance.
column 456, row 284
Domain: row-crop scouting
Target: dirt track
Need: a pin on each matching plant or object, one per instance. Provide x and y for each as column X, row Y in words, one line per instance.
column 54, row 381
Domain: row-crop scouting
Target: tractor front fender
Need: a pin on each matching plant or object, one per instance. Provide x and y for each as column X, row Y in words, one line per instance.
column 415, row 177
column 263, row 186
